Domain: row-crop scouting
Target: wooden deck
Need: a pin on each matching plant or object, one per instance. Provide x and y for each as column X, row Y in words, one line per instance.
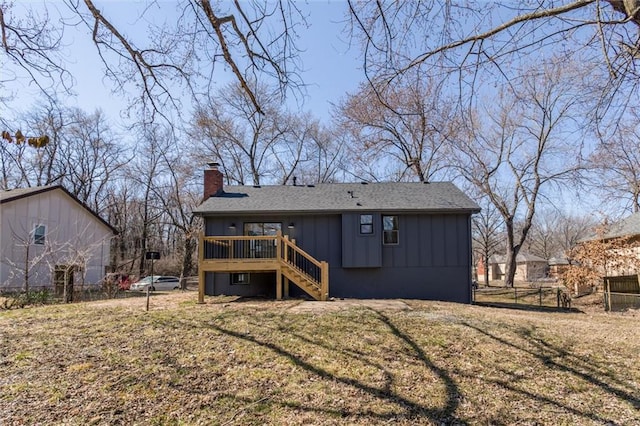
column 264, row 254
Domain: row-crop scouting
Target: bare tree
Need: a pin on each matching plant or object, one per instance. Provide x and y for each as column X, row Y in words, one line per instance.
column 487, row 235
column 179, row 194
column 120, row 214
column 27, row 261
column 520, row 146
column 554, row 233
column 289, row 151
column 144, row 171
column 616, row 162
column 325, row 155
column 23, row 166
column 32, row 260
column 479, row 44
column 92, row 157
column 231, row 131
column 407, row 125
column 172, row 57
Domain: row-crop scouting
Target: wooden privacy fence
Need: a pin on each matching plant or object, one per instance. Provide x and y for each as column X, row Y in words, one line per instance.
column 621, row 293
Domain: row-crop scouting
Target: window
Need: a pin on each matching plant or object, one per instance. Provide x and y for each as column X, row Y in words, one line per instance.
column 366, row 224
column 390, row 229
column 242, row 278
column 38, row 234
column 262, row 228
column 260, row 247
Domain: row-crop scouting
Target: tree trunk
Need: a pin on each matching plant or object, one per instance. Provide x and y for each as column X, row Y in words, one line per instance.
column 187, row 258
column 510, row 268
column 512, row 253
column 486, row 269
column 26, row 269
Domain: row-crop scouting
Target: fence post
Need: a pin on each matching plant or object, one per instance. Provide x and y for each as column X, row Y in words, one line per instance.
column 515, row 294
column 540, row 296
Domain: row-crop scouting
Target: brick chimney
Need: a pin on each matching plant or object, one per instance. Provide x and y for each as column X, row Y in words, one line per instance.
column 212, row 181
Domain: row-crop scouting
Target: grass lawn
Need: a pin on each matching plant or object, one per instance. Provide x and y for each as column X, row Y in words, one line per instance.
column 268, row 362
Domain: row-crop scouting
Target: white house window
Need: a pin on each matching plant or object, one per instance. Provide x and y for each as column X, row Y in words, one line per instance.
column 38, row 234
column 390, row 230
column 366, row 224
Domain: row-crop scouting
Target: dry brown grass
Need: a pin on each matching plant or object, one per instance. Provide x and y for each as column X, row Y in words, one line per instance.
column 264, row 362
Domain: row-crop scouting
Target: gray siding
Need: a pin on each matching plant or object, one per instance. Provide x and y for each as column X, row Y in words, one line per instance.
column 361, row 250
column 260, row 285
column 431, row 261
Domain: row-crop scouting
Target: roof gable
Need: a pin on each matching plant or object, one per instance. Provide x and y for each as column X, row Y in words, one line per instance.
column 7, row 196
column 339, row 197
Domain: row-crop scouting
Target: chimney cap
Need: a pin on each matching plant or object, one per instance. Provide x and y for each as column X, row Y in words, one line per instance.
column 213, row 165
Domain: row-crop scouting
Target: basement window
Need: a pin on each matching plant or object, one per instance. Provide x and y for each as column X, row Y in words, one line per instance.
column 240, row 278
column 39, row 234
column 390, row 230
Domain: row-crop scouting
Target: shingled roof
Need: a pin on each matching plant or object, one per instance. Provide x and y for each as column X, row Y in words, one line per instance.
column 520, row 258
column 15, row 194
column 7, row 196
column 339, row 197
column 627, row 227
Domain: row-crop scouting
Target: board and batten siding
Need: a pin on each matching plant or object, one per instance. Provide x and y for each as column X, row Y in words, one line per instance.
column 432, row 259
column 73, row 235
column 361, row 250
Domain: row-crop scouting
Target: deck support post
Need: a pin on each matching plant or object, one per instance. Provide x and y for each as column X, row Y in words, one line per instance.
column 286, row 287
column 278, row 285
column 324, row 281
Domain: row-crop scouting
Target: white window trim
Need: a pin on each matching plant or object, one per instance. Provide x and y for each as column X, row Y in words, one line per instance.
column 43, row 236
column 394, row 231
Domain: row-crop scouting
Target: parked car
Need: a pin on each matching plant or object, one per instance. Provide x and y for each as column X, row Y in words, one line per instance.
column 157, row 282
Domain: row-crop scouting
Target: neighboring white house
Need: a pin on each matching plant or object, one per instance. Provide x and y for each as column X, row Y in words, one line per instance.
column 49, row 237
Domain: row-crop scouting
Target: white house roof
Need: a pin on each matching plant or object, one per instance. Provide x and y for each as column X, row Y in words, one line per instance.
column 339, row 197
column 520, row 258
column 7, row 196
column 14, row 194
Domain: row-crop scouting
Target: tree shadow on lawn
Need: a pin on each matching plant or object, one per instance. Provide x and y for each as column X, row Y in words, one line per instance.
column 558, row 358
column 412, row 409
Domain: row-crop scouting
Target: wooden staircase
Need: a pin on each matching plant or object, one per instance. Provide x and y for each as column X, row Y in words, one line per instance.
column 264, row 254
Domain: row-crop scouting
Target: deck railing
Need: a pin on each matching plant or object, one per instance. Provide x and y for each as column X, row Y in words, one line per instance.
column 235, row 248
column 300, row 260
column 276, row 248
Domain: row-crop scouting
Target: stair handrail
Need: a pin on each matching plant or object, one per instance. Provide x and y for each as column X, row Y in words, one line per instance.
column 289, row 243
column 323, row 283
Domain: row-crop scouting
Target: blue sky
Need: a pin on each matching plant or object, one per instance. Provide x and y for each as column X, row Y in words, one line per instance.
column 331, row 68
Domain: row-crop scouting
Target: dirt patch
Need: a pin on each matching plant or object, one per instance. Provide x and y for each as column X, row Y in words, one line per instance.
column 335, row 305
